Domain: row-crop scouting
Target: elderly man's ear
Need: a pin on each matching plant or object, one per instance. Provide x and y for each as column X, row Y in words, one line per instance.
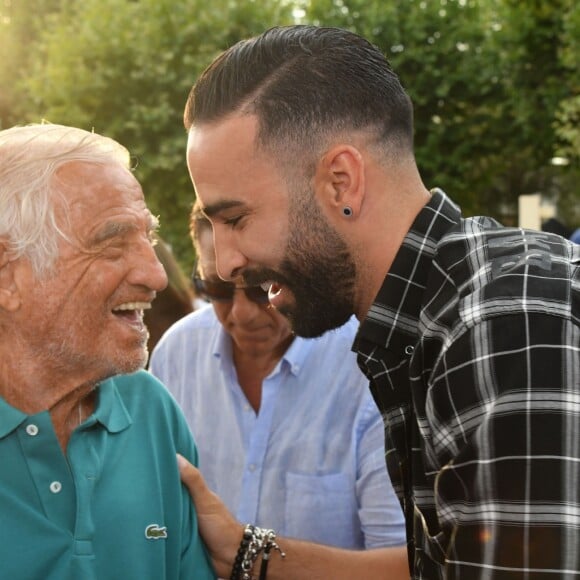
column 9, row 294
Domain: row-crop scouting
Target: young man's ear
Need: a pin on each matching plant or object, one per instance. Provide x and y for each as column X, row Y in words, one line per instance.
column 9, row 294
column 340, row 181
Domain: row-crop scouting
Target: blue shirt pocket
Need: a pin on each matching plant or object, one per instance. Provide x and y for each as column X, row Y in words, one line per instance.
column 323, row 509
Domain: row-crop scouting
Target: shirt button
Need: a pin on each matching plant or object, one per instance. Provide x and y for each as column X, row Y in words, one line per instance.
column 55, row 486
column 32, row 430
column 252, row 467
column 409, row 349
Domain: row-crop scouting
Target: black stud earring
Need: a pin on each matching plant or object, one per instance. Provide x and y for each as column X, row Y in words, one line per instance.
column 347, row 211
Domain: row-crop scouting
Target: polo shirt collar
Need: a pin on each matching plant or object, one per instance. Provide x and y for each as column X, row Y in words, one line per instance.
column 393, row 319
column 10, row 418
column 110, row 411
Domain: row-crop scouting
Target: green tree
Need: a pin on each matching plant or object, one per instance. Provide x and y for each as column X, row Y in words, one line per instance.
column 568, row 118
column 495, row 84
column 486, row 81
column 21, row 22
column 537, row 82
column 567, row 124
column 125, row 68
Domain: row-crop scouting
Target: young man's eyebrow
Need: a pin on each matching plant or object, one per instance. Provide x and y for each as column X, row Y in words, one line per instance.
column 216, row 208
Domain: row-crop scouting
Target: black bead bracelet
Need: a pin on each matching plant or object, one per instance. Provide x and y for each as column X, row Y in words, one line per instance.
column 255, row 541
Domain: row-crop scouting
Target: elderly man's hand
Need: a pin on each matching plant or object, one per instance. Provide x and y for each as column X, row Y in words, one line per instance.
column 218, row 528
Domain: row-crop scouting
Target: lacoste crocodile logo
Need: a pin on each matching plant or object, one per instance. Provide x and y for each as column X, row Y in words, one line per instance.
column 155, row 532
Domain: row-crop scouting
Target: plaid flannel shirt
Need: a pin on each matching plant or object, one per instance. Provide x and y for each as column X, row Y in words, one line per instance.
column 472, row 348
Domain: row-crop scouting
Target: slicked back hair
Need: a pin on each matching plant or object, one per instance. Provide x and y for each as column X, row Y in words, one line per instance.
column 306, row 84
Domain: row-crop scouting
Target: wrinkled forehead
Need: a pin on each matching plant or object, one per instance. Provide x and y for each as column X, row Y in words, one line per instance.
column 92, row 192
column 78, row 179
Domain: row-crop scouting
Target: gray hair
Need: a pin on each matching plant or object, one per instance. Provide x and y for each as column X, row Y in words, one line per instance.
column 30, row 156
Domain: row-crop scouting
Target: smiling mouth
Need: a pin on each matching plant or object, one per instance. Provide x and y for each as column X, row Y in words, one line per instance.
column 272, row 288
column 131, row 311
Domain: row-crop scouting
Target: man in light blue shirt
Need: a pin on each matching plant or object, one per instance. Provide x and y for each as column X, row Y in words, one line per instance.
column 287, row 431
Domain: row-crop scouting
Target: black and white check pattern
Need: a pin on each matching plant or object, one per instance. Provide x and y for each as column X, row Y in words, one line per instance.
column 472, row 348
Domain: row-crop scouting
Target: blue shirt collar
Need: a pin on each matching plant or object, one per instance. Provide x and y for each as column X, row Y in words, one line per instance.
column 293, row 357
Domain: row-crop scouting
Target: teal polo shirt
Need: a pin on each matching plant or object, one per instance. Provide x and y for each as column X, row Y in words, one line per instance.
column 114, row 507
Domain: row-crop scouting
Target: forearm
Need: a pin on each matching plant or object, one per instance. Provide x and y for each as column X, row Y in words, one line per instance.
column 318, row 562
column 223, row 535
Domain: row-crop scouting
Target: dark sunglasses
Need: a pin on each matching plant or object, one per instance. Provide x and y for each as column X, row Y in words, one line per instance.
column 220, row 291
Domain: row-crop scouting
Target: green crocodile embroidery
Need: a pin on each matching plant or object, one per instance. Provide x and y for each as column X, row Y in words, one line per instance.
column 155, row 532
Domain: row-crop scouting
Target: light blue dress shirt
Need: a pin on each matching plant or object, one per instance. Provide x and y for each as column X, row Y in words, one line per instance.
column 311, row 463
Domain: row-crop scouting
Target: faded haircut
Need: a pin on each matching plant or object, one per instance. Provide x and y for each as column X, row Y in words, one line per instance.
column 306, row 84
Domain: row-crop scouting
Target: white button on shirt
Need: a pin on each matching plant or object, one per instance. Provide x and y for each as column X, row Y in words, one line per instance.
column 55, row 486
column 32, row 430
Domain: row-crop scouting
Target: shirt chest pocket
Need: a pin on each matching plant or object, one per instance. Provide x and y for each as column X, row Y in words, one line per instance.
column 322, row 508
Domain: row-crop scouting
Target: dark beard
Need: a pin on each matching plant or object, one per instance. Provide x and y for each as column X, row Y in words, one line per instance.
column 320, row 273
column 322, row 290
column 318, row 270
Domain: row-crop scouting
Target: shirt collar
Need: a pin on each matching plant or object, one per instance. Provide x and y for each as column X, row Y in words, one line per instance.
column 10, row 418
column 392, row 321
column 110, row 411
column 297, row 353
column 293, row 357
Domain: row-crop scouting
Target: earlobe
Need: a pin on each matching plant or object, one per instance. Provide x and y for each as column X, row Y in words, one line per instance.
column 340, row 182
column 9, row 294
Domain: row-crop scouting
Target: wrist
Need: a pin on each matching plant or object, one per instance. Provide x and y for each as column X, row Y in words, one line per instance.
column 224, row 558
column 256, row 543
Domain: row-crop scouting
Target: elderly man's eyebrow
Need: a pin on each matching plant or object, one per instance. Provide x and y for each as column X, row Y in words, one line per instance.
column 112, row 230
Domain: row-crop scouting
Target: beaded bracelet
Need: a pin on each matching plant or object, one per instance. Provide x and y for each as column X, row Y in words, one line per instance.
column 254, row 542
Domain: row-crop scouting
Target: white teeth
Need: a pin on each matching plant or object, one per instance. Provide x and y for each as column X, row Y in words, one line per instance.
column 274, row 291
column 133, row 306
column 266, row 286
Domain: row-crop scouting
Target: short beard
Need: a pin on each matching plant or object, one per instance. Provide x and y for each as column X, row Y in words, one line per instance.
column 319, row 271
column 67, row 356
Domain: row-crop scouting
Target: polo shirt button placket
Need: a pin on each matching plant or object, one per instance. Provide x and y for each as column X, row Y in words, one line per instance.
column 55, row 487
column 32, row 430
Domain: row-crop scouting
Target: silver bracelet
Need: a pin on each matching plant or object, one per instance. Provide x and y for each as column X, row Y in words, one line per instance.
column 255, row 541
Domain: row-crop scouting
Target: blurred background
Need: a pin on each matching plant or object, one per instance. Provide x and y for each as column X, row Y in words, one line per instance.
column 495, row 83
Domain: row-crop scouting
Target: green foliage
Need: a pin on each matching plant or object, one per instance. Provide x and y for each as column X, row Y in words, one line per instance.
column 125, row 68
column 495, row 83
column 20, row 26
column 487, row 83
column 568, row 115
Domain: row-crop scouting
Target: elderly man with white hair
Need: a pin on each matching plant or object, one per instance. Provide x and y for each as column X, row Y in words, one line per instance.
column 89, row 486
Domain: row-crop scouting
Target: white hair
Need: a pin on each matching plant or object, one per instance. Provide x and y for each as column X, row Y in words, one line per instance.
column 29, row 159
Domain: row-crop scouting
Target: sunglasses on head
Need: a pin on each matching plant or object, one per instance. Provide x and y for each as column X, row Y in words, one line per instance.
column 219, row 291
